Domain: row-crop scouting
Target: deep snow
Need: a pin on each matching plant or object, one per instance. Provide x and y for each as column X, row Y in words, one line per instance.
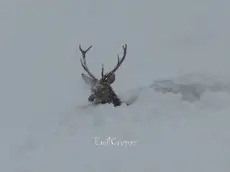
column 43, row 128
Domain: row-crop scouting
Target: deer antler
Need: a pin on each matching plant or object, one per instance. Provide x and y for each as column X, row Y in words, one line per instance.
column 83, row 61
column 102, row 71
column 119, row 62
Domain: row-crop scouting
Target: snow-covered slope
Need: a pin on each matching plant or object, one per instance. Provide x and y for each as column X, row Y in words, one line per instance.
column 43, row 128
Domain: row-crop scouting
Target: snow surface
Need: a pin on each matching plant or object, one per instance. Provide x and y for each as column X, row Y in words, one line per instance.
column 43, row 128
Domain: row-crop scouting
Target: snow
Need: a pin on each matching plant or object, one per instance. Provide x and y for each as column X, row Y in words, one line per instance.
column 43, row 125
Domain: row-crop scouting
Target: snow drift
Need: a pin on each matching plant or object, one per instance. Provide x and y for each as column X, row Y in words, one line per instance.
column 176, row 72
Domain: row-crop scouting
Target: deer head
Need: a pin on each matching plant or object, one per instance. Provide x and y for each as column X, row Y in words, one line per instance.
column 101, row 90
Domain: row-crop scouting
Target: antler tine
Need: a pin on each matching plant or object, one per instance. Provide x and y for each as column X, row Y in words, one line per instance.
column 102, row 71
column 83, row 61
column 119, row 62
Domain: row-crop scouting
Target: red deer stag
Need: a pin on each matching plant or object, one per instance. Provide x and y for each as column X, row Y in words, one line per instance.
column 101, row 90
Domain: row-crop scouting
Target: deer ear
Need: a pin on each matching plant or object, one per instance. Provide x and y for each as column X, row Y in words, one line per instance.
column 89, row 81
column 111, row 78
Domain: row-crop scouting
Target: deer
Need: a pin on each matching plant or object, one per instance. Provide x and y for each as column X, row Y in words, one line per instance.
column 101, row 89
